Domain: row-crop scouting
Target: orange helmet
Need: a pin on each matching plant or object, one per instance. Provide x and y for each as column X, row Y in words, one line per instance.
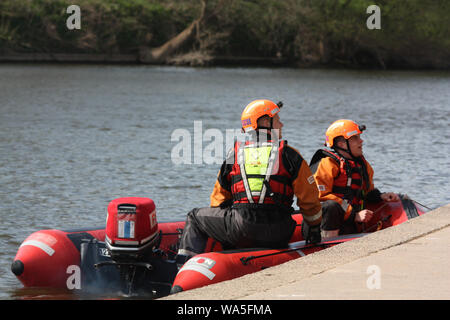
column 257, row 109
column 342, row 127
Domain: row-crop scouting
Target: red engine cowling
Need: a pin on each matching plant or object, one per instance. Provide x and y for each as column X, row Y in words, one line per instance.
column 131, row 225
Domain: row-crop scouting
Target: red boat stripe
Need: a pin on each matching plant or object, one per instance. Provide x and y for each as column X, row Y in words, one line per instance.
column 47, row 249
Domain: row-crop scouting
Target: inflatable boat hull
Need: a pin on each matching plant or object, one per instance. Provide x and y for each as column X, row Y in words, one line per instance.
column 48, row 258
column 51, row 258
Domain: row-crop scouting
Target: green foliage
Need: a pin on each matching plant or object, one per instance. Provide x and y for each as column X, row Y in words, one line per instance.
column 413, row 32
column 107, row 25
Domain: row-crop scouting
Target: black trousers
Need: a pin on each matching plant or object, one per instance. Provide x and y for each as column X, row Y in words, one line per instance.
column 333, row 219
column 237, row 227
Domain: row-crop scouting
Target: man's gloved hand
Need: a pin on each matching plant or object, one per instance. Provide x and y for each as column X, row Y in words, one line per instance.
column 313, row 235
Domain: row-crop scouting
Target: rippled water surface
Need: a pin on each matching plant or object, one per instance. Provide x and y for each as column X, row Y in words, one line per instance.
column 74, row 137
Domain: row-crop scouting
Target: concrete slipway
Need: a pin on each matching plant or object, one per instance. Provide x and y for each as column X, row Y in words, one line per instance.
column 408, row 261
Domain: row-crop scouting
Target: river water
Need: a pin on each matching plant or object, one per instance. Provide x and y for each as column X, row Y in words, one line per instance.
column 75, row 137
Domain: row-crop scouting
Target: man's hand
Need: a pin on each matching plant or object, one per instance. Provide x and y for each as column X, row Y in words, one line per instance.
column 364, row 215
column 390, row 196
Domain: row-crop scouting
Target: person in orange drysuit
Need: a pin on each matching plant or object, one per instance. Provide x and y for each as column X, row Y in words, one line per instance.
column 251, row 203
column 345, row 180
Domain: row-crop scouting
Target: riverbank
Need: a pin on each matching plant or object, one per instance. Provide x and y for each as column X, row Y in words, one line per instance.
column 405, row 262
column 190, row 60
column 297, row 33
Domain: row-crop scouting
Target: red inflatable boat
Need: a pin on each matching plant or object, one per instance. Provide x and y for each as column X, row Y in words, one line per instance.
column 213, row 267
column 57, row 258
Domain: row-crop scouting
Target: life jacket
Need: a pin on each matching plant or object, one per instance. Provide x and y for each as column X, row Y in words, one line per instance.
column 258, row 175
column 352, row 180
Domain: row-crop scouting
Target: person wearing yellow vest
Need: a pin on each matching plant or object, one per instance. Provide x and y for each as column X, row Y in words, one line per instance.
column 345, row 180
column 251, row 203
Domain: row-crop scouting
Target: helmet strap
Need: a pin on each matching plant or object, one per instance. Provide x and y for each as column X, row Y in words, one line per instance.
column 267, row 128
column 348, row 150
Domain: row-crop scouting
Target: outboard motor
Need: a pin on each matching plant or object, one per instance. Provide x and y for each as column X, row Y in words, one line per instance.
column 129, row 260
column 131, row 227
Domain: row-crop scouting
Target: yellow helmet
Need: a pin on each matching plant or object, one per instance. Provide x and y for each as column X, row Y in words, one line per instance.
column 257, row 109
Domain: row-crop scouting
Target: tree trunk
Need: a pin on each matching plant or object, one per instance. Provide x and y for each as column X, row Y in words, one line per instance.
column 162, row 53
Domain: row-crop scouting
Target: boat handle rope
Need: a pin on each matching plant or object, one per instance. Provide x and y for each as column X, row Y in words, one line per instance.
column 422, row 205
column 245, row 260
